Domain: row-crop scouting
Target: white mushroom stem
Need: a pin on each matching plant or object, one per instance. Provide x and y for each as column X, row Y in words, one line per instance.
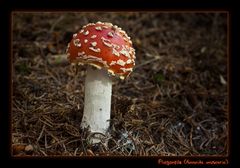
column 97, row 101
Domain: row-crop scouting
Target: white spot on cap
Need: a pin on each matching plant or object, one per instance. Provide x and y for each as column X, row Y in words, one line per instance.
column 81, row 53
column 116, row 46
column 98, row 28
column 77, row 43
column 125, row 39
column 95, row 49
column 105, row 27
column 125, row 52
column 104, row 39
column 126, row 69
column 121, row 62
column 94, row 44
column 85, row 41
column 106, row 42
column 131, row 50
column 108, row 24
column 75, row 35
column 93, row 36
column 115, row 27
column 110, row 34
column 115, row 52
column 129, row 61
column 113, row 63
column 89, row 24
column 86, row 32
column 81, row 31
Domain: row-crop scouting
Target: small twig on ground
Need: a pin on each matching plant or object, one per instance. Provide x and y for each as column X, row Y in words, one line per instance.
column 55, row 23
column 40, row 135
column 191, row 141
column 157, row 57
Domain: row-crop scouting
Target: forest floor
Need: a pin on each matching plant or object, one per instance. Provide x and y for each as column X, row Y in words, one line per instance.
column 175, row 102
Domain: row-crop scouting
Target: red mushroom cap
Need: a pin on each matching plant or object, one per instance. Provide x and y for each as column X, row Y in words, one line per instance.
column 103, row 45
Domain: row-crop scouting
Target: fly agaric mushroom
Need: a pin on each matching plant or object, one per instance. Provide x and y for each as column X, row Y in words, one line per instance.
column 108, row 48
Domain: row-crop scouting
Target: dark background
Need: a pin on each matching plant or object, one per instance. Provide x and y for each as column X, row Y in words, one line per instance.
column 174, row 104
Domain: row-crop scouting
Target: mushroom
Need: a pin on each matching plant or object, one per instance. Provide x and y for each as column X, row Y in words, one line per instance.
column 108, row 52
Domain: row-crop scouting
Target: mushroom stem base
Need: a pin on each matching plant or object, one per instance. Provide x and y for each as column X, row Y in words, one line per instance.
column 97, row 101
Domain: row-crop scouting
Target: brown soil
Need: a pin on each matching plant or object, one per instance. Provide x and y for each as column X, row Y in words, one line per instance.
column 174, row 103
